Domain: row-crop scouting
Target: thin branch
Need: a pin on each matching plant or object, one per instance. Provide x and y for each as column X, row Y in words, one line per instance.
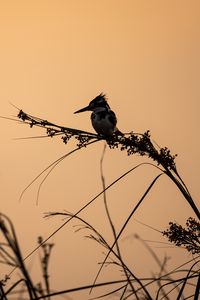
column 124, row 226
column 111, row 222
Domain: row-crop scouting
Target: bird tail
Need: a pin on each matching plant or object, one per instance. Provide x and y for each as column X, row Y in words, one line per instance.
column 118, row 132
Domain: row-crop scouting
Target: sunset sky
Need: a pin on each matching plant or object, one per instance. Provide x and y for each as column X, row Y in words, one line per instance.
column 56, row 56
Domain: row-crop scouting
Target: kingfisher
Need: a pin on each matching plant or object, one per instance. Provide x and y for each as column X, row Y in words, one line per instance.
column 103, row 119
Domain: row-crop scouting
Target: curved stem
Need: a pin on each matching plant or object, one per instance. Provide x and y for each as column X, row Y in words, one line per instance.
column 184, row 192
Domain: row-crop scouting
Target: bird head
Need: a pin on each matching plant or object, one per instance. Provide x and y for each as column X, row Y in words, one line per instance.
column 99, row 101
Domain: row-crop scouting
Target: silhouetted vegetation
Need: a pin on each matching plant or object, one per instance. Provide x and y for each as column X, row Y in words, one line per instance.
column 159, row 286
column 188, row 238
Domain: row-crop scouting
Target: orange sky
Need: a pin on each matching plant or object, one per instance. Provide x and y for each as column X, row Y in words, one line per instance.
column 58, row 55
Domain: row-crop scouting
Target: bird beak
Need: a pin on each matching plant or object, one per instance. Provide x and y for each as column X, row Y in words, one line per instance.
column 82, row 109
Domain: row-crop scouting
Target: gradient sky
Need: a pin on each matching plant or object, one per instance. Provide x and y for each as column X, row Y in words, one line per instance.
column 55, row 57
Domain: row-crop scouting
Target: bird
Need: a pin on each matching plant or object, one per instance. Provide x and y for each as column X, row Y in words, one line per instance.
column 103, row 119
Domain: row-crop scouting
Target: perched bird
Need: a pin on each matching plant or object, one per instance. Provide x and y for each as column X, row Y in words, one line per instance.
column 103, row 119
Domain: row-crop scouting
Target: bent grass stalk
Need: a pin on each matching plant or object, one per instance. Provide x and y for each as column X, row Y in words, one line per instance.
column 132, row 143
